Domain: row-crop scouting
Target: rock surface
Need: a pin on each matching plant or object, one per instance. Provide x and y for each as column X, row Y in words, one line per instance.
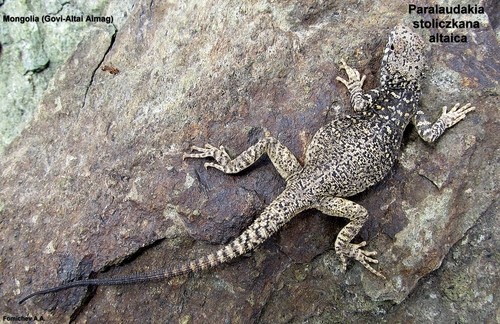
column 30, row 53
column 96, row 185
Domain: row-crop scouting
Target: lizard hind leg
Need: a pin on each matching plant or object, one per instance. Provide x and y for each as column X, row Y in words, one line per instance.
column 284, row 161
column 357, row 215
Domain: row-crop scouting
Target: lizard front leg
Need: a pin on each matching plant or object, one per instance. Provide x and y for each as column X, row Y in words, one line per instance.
column 431, row 132
column 284, row 161
column 357, row 215
column 359, row 100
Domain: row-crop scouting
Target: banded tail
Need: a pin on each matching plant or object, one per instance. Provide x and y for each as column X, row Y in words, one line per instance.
column 271, row 219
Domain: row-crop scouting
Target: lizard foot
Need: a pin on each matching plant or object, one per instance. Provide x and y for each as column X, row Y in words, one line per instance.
column 354, row 251
column 455, row 114
column 355, row 78
column 354, row 85
column 219, row 154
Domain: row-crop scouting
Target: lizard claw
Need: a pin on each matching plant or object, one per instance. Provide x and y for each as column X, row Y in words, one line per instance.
column 355, row 78
column 219, row 154
column 354, row 251
column 455, row 114
column 202, row 152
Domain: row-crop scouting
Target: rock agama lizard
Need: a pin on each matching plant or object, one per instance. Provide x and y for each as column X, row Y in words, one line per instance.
column 344, row 158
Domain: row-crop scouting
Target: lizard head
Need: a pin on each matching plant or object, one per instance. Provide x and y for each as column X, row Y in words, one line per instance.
column 404, row 58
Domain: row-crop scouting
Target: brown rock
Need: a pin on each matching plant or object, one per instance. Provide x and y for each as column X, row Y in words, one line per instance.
column 97, row 182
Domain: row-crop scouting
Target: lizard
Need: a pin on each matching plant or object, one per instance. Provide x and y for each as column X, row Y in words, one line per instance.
column 345, row 157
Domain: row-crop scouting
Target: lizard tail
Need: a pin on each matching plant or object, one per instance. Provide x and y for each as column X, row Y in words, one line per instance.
column 262, row 228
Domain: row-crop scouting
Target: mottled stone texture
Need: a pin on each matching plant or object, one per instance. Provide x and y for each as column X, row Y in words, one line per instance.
column 96, row 185
column 30, row 53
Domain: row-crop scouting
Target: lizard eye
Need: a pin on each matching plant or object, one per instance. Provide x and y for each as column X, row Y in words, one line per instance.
column 392, row 47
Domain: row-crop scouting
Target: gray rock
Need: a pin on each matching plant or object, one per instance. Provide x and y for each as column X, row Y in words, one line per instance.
column 96, row 185
column 31, row 52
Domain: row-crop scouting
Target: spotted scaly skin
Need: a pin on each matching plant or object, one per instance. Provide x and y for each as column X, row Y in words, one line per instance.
column 345, row 157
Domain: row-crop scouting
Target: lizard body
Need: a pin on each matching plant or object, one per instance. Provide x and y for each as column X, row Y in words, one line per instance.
column 346, row 156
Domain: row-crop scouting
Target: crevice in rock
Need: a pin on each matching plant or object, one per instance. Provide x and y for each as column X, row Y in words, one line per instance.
column 431, row 181
column 202, row 181
column 39, row 69
column 89, row 294
column 134, row 255
column 64, row 4
column 39, row 32
column 112, row 42
column 91, row 290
